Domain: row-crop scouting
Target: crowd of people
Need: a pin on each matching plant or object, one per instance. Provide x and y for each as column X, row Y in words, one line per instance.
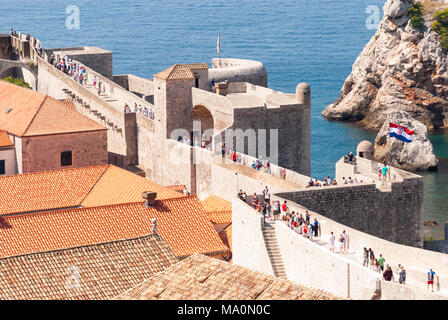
column 310, row 228
column 258, row 164
column 383, row 171
column 72, row 69
column 143, row 110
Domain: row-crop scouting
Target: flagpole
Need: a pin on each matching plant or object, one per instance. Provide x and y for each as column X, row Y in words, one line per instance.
column 218, row 45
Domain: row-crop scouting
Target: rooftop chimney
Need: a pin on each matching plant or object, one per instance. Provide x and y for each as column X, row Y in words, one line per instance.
column 149, row 198
column 222, row 88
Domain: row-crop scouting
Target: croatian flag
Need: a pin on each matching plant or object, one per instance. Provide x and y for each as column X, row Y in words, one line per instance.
column 400, row 132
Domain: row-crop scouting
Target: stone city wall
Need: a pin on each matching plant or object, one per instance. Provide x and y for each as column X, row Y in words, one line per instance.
column 417, row 261
column 144, row 88
column 95, row 58
column 164, row 161
column 394, row 215
column 6, row 51
column 226, row 183
column 285, row 141
column 394, row 291
column 309, row 264
column 238, row 70
column 52, row 82
column 248, row 247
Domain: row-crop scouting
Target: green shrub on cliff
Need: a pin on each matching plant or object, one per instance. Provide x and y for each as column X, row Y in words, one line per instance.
column 16, row 81
column 440, row 25
column 415, row 14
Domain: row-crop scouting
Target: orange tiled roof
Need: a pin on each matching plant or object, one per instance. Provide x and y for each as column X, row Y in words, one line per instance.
column 203, row 278
column 87, row 186
column 121, row 186
column 181, row 222
column 24, row 112
column 180, row 71
column 177, row 188
column 220, row 217
column 215, row 203
column 105, row 270
column 5, row 140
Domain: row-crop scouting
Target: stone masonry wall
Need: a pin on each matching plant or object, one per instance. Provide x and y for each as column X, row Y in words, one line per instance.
column 395, row 215
column 311, row 265
column 248, row 246
column 88, row 149
column 293, row 131
column 5, row 48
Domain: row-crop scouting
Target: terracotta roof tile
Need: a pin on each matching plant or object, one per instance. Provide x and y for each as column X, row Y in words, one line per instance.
column 215, row 203
column 120, row 186
column 220, row 217
column 196, row 66
column 18, row 106
column 66, row 188
column 178, row 188
column 182, row 223
column 105, row 270
column 203, row 278
column 180, row 71
column 5, row 140
column 57, row 117
column 25, row 112
column 47, row 190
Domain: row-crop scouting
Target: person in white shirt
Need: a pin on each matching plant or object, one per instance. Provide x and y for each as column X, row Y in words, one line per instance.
column 332, row 240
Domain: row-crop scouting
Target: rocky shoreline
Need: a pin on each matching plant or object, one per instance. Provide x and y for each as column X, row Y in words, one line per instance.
column 401, row 67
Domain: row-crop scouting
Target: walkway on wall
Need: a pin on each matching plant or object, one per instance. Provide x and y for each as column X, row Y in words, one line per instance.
column 266, row 179
column 414, row 277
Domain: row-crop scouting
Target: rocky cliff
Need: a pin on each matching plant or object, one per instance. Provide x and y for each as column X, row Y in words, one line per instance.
column 401, row 67
column 415, row 155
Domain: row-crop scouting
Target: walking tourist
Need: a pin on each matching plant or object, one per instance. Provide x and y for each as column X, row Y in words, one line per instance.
column 341, row 243
column 345, row 236
column 316, row 227
column 388, row 274
column 384, row 171
column 332, row 239
column 276, row 207
column 381, row 262
column 268, row 209
column 372, row 258
column 307, row 217
column 365, row 262
column 284, row 209
column 431, row 275
column 402, row 275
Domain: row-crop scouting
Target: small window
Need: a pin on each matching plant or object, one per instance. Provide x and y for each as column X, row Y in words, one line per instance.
column 2, row 167
column 196, row 83
column 66, row 158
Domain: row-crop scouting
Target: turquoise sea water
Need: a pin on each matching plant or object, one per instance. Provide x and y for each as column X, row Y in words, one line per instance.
column 314, row 41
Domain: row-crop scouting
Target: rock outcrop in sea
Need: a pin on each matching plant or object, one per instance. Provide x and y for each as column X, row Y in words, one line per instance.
column 415, row 155
column 402, row 67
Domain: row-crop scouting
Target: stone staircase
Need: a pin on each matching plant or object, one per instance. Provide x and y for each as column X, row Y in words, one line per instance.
column 270, row 240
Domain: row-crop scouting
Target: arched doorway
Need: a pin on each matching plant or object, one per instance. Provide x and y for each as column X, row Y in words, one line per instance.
column 203, row 126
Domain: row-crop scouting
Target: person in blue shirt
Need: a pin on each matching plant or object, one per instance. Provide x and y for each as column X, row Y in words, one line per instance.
column 316, row 228
column 431, row 275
